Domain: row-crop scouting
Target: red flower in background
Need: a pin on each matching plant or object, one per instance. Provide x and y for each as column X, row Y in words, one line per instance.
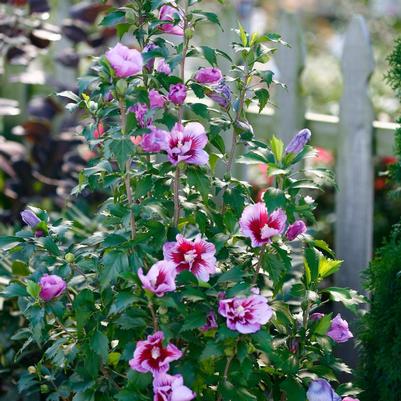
column 99, row 131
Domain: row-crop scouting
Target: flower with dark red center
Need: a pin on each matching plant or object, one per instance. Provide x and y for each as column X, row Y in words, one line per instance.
column 185, row 144
column 196, row 255
column 171, row 388
column 160, row 278
column 260, row 226
column 151, row 356
column 245, row 315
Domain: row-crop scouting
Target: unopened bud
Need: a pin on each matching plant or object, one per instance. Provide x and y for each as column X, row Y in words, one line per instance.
column 32, row 370
column 69, row 257
column 121, row 87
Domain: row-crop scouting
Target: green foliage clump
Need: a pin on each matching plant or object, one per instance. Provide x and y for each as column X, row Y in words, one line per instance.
column 394, row 79
column 380, row 374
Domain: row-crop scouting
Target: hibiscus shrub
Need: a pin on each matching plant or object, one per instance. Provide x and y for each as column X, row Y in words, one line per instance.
column 187, row 289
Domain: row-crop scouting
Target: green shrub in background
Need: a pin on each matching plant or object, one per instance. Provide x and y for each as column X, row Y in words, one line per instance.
column 379, row 372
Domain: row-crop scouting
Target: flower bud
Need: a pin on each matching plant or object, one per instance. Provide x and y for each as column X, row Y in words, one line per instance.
column 31, row 370
column 51, row 286
column 69, row 257
column 295, row 229
column 298, row 142
column 121, row 87
column 30, row 218
column 44, row 388
column 177, row 93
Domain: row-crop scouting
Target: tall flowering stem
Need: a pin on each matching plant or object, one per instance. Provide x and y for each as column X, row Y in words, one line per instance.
column 237, row 118
column 176, row 185
column 128, row 164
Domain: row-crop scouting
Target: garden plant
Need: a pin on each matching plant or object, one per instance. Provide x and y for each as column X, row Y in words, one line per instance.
column 187, row 289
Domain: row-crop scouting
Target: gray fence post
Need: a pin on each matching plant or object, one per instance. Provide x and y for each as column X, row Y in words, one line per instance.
column 354, row 203
column 290, row 114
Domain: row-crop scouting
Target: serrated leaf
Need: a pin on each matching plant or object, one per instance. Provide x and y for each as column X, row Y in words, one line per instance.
column 115, row 262
column 294, row 389
column 100, row 344
column 274, row 198
column 122, row 148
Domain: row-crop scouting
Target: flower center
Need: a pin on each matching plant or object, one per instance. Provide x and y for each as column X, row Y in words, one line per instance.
column 155, row 352
column 240, row 309
column 190, row 256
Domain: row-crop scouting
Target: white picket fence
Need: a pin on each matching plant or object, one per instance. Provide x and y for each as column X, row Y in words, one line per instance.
column 354, row 136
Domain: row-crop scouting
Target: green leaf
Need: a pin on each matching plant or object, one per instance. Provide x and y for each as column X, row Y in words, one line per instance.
column 193, row 321
column 83, row 307
column 201, row 110
column 51, row 246
column 277, row 147
column 122, row 148
column 349, row 298
column 312, row 257
column 212, row 350
column 33, row 289
column 113, row 18
column 210, row 55
column 199, row 180
column 274, row 198
column 143, row 186
column 323, row 325
column 277, row 265
column 70, row 95
column 262, row 96
column 294, row 389
column 115, row 262
column 123, row 300
column 243, row 36
column 328, row 267
column 100, row 344
column 20, row 268
column 7, row 242
column 266, row 76
column 211, row 17
column 233, row 275
column 14, row 290
column 322, row 245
